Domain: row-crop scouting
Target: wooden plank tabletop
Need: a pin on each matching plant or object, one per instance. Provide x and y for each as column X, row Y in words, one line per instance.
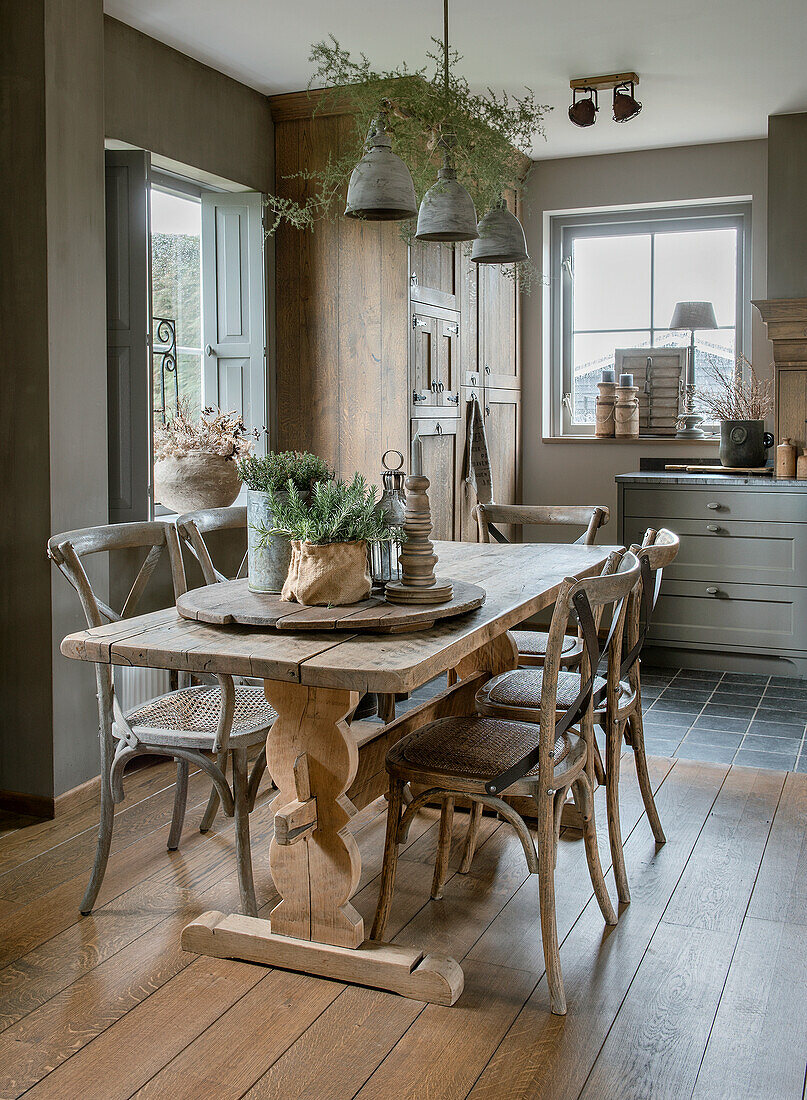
column 519, row 580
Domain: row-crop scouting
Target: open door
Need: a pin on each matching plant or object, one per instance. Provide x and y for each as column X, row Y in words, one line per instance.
column 128, row 328
column 234, row 311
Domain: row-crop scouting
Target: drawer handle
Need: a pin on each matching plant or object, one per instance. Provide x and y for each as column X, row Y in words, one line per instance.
column 713, row 504
column 712, row 591
column 713, row 527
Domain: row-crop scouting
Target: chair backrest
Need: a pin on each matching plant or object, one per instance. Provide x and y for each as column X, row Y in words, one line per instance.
column 590, row 517
column 67, row 550
column 658, row 550
column 193, row 526
column 587, row 598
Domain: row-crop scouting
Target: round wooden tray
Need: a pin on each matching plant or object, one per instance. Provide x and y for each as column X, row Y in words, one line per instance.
column 232, row 602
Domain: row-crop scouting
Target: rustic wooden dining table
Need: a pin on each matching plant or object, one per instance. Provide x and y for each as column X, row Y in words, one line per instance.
column 314, row 681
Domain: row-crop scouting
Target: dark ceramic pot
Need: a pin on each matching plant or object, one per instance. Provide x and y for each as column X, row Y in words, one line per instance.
column 744, row 442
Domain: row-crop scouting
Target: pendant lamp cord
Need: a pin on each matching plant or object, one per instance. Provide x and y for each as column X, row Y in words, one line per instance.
column 445, row 45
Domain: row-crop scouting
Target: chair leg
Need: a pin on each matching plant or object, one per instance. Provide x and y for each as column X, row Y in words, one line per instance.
column 102, row 849
column 636, row 726
column 584, row 800
column 443, row 846
column 394, row 811
column 212, row 807
column 546, row 897
column 243, row 855
column 471, row 836
column 255, row 776
column 599, row 767
column 180, row 802
column 613, row 749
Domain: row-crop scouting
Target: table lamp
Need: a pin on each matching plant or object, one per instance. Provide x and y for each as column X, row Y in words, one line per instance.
column 690, row 316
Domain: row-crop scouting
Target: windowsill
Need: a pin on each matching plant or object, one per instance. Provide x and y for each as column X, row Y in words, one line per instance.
column 641, row 440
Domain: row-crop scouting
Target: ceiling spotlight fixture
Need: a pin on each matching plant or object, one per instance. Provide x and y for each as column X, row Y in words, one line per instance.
column 626, row 106
column 583, row 112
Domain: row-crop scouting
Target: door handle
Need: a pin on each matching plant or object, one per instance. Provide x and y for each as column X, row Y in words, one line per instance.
column 209, row 349
column 713, row 527
column 440, row 387
column 439, row 429
column 712, row 591
column 714, row 505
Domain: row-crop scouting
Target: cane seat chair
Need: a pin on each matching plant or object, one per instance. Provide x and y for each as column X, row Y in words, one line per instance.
column 517, row 695
column 476, row 758
column 186, row 724
column 532, row 643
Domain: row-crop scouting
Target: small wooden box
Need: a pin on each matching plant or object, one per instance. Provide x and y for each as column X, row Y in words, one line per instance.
column 657, row 372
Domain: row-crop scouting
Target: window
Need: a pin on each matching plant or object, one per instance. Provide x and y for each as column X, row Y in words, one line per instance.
column 619, row 276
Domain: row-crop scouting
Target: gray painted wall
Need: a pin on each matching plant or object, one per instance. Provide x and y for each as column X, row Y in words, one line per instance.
column 787, row 206
column 583, row 472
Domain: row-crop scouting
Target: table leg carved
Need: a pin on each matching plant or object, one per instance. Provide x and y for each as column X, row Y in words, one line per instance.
column 316, row 865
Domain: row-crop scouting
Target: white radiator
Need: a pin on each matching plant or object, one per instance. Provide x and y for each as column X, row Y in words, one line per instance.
column 135, row 686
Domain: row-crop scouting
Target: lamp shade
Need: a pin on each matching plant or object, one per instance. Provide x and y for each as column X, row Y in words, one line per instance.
column 381, row 187
column 501, row 238
column 447, row 211
column 693, row 315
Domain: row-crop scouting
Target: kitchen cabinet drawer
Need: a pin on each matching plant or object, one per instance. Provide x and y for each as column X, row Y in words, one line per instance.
column 756, row 617
column 712, row 502
column 726, row 550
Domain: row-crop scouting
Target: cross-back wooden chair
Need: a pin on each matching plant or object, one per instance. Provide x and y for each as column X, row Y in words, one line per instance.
column 473, row 756
column 192, row 527
column 186, row 724
column 532, row 643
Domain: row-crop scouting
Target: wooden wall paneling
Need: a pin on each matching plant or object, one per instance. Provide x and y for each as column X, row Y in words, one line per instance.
column 292, row 386
column 791, row 406
column 394, row 345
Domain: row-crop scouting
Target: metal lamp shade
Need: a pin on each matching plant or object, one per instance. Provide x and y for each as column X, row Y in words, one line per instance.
column 501, row 239
column 447, row 211
column 626, row 106
column 693, row 315
column 381, row 188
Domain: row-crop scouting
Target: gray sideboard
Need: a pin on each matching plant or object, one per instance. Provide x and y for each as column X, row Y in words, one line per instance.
column 736, row 597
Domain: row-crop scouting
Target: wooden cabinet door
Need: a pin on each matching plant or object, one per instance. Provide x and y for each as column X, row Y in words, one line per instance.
column 498, row 328
column 448, row 365
column 424, row 369
column 791, row 406
column 502, row 408
column 435, row 454
column 433, row 274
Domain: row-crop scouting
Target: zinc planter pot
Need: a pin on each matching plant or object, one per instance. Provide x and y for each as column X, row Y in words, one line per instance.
column 744, row 442
column 197, row 480
column 269, row 564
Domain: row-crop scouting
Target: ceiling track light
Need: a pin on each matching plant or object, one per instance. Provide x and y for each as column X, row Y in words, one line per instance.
column 583, row 112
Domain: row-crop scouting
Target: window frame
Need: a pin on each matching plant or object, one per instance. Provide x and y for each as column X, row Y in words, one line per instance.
column 565, row 226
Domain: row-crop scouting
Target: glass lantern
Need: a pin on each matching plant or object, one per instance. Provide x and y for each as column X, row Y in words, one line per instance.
column 384, row 556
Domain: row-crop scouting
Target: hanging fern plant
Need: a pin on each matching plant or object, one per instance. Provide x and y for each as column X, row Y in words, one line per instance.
column 490, row 134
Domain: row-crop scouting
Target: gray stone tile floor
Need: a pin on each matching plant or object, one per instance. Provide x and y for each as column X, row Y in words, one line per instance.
column 717, row 717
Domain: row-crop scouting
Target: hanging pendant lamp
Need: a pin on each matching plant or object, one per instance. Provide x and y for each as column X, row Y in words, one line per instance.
column 381, row 188
column 501, row 238
column 447, row 211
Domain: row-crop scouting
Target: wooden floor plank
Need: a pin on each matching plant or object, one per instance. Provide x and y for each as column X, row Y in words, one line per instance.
column 551, row 1056
column 757, row 1047
column 780, row 892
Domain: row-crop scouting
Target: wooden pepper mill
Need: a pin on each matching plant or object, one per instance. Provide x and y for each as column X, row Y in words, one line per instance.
column 604, row 409
column 786, row 459
column 418, row 583
column 626, row 412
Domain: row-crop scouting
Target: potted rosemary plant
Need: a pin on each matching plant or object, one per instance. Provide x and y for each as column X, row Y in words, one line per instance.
column 266, row 477
column 195, row 460
column 740, row 401
column 329, row 536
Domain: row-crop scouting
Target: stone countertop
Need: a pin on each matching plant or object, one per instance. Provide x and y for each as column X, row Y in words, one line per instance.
column 678, row 477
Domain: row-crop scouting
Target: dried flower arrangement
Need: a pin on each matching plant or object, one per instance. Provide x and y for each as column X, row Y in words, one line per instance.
column 214, row 433
column 274, row 471
column 738, row 393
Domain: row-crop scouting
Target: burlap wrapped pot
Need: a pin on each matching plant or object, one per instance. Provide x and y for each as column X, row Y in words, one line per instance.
column 329, row 575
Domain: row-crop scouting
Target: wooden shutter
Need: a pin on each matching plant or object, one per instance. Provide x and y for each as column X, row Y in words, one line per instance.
column 233, row 306
column 128, row 329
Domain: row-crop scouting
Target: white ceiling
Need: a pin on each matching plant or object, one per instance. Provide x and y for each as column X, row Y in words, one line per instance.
column 710, row 70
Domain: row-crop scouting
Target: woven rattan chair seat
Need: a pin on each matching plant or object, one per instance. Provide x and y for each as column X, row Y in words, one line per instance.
column 195, row 712
column 473, row 747
column 523, row 687
column 533, row 642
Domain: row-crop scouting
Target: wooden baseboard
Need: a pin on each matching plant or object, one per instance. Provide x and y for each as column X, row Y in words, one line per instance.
column 28, row 805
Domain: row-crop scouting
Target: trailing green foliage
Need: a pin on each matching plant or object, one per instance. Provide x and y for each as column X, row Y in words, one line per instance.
column 336, row 511
column 273, row 472
column 488, row 133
